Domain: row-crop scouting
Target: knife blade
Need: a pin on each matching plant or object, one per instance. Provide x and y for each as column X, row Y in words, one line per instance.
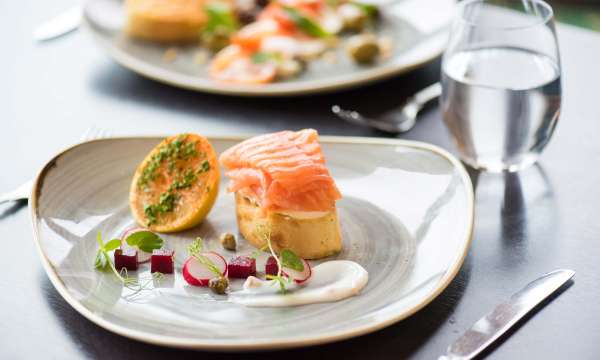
column 59, row 25
column 489, row 328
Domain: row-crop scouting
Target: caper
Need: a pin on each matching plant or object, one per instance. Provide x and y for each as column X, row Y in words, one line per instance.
column 216, row 40
column 218, row 285
column 363, row 49
column 354, row 18
column 289, row 68
column 228, row 241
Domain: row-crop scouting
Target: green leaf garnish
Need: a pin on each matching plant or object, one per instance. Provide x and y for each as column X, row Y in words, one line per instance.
column 195, row 250
column 220, row 16
column 112, row 245
column 145, row 241
column 304, row 23
column 290, row 260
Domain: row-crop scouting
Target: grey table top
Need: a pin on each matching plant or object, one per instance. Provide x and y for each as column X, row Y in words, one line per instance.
column 526, row 224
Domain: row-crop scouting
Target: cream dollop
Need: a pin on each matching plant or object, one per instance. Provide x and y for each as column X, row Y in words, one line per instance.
column 330, row 281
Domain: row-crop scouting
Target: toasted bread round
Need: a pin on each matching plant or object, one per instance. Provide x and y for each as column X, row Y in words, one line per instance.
column 176, row 185
column 310, row 237
column 169, row 21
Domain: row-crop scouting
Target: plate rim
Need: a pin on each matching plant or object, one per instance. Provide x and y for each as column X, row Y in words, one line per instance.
column 161, row 75
column 226, row 345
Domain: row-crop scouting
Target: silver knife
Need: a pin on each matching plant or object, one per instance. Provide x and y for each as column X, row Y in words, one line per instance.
column 59, row 25
column 504, row 316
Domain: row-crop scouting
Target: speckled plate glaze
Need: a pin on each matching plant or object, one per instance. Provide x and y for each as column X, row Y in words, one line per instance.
column 406, row 217
column 418, row 34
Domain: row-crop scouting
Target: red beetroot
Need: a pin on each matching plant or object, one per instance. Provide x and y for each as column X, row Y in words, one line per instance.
column 241, row 267
column 162, row 261
column 271, row 267
column 126, row 259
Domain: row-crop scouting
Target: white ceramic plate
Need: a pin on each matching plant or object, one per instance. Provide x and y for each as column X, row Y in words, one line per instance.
column 406, row 216
column 418, row 29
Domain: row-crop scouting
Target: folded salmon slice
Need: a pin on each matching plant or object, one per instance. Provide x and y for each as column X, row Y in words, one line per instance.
column 283, row 171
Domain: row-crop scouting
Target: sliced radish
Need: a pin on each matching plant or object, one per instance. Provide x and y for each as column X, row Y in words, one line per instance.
column 142, row 255
column 198, row 274
column 298, row 276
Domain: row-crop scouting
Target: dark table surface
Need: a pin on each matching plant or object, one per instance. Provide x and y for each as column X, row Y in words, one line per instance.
column 526, row 224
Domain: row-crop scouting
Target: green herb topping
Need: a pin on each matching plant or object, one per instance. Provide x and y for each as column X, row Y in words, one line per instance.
column 304, row 23
column 177, row 149
column 204, row 167
column 166, row 203
column 185, row 181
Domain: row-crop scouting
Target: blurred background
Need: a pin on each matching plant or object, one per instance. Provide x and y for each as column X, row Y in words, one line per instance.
column 583, row 13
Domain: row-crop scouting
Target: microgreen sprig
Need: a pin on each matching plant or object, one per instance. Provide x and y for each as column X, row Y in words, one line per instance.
column 288, row 258
column 195, row 250
column 257, row 252
column 104, row 262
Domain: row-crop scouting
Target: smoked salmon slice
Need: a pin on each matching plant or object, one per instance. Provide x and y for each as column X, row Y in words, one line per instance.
column 283, row 171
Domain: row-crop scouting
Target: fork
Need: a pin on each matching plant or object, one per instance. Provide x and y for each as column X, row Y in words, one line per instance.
column 401, row 122
column 23, row 191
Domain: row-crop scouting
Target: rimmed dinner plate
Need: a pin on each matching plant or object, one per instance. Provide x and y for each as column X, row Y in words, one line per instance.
column 418, row 34
column 406, row 217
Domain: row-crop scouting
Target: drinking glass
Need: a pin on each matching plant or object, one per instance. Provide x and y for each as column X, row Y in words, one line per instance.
column 501, row 82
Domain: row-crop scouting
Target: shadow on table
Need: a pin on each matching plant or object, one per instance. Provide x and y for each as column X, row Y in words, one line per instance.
column 398, row 341
column 528, row 222
column 526, row 232
column 294, row 112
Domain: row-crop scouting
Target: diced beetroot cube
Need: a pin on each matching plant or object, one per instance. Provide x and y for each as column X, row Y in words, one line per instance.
column 127, row 259
column 271, row 267
column 241, row 267
column 162, row 261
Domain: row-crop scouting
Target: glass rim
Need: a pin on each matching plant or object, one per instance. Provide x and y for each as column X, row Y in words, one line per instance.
column 544, row 20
